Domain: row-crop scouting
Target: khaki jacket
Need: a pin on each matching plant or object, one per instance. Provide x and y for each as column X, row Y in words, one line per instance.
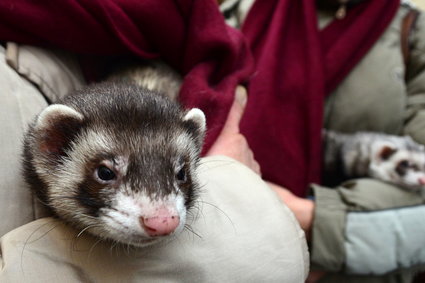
column 367, row 227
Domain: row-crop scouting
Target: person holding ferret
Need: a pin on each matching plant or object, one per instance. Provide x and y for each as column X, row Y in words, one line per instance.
column 298, row 75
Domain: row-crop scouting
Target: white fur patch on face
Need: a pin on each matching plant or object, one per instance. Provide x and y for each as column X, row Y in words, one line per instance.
column 412, row 179
column 122, row 220
column 83, row 148
column 386, row 170
column 381, row 150
column 415, row 174
column 94, row 141
column 121, row 164
column 64, row 180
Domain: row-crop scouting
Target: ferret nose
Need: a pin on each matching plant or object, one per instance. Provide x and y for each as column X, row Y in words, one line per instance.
column 161, row 225
column 421, row 180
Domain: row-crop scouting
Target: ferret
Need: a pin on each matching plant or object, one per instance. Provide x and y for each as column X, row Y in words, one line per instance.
column 153, row 75
column 116, row 160
column 393, row 159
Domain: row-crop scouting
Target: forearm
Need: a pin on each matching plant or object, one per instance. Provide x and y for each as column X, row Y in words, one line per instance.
column 367, row 227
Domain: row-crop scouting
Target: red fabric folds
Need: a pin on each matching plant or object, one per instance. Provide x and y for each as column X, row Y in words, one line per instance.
column 296, row 65
column 190, row 35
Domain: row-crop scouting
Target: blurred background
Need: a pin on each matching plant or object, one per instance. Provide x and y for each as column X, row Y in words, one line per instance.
column 420, row 3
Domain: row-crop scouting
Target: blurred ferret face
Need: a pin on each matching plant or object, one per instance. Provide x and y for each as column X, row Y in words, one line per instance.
column 399, row 166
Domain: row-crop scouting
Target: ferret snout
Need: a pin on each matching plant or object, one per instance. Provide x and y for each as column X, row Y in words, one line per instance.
column 161, row 224
column 421, row 181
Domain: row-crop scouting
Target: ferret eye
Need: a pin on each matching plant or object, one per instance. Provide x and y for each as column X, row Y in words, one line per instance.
column 181, row 175
column 105, row 174
column 404, row 164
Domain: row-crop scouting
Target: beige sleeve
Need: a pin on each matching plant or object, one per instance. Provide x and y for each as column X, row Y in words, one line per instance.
column 352, row 220
column 29, row 78
column 20, row 101
column 240, row 231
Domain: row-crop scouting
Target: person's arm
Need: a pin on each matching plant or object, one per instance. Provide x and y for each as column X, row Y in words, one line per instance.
column 347, row 234
column 366, row 226
column 415, row 83
column 362, row 227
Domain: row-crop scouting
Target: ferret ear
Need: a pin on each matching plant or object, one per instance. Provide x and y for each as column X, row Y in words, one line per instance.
column 55, row 128
column 197, row 117
column 383, row 150
column 196, row 123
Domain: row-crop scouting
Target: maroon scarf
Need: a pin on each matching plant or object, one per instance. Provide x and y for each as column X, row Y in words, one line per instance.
column 296, row 65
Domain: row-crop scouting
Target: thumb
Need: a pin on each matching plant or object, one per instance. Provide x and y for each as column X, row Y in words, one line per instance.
column 236, row 111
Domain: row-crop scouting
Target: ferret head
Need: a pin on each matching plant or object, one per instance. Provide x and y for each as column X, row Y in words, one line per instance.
column 121, row 167
column 400, row 165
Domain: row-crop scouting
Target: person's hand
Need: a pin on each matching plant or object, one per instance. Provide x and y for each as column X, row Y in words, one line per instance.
column 302, row 208
column 231, row 142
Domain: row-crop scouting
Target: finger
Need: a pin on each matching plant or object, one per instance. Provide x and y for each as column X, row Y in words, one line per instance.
column 236, row 111
column 257, row 168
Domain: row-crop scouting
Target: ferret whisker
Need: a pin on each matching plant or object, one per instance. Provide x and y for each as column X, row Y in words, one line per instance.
column 42, row 202
column 195, row 211
column 114, row 245
column 41, row 236
column 93, row 246
column 27, row 241
column 200, row 187
column 77, row 237
column 190, row 229
column 219, row 209
column 128, row 249
column 85, row 229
